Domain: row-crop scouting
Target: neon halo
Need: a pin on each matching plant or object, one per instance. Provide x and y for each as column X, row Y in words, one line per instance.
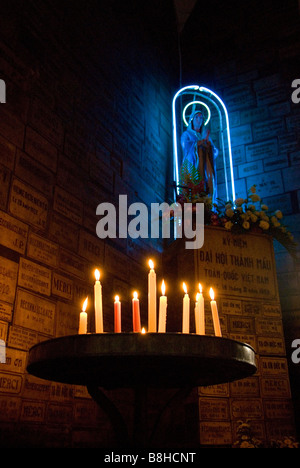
column 196, row 102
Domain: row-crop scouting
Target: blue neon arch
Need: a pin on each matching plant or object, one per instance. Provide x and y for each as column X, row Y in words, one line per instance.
column 208, row 98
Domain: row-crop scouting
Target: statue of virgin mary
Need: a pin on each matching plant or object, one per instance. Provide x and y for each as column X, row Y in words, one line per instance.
column 199, row 150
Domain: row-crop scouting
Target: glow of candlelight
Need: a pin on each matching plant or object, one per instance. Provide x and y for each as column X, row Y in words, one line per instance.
column 143, row 331
column 184, row 288
column 97, row 275
column 212, row 294
column 84, row 306
column 163, row 288
column 151, row 264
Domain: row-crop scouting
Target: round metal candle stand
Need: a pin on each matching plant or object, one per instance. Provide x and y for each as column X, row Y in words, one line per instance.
column 141, row 362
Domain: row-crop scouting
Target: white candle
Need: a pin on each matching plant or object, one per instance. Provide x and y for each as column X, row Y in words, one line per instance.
column 83, row 319
column 151, row 298
column 197, row 315
column 186, row 311
column 215, row 314
column 162, row 310
column 98, row 303
column 201, row 312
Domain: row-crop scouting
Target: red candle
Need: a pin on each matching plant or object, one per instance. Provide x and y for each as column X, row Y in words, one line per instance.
column 136, row 319
column 117, row 314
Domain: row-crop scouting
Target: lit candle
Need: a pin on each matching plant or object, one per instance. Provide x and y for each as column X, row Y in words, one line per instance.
column 197, row 315
column 136, row 319
column 186, row 311
column 143, row 331
column 162, row 310
column 201, row 312
column 83, row 319
column 151, row 298
column 215, row 314
column 117, row 314
column 98, row 303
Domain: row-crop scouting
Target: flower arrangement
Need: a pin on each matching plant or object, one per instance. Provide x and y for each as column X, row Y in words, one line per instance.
column 238, row 216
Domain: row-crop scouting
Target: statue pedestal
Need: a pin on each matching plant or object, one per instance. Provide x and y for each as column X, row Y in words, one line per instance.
column 241, row 270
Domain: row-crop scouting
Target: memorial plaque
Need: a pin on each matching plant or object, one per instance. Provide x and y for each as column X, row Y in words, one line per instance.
column 10, row 383
column 10, row 408
column 245, row 387
column 59, row 414
column 62, row 286
column 247, row 408
column 273, row 366
column 269, row 326
column 221, row 390
column 91, row 247
column 46, row 122
column 275, row 387
column 3, row 337
column 68, row 205
column 61, row 392
column 85, row 414
column 4, row 186
column 8, row 279
column 35, row 388
column 63, row 231
column 270, row 345
column 13, row 233
column 34, row 312
column 34, row 276
column 278, row 409
column 68, row 318
column 28, row 204
column 214, row 409
column 267, row 184
column 42, row 250
column 33, row 411
column 215, row 433
column 22, row 338
column 73, row 264
column 264, row 149
column 34, row 173
column 41, row 149
column 235, row 265
column 7, row 153
column 249, row 169
column 241, row 135
column 15, row 361
column 266, row 129
column 241, row 325
column 5, row 311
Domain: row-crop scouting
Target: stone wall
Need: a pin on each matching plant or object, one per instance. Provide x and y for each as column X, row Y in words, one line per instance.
column 87, row 118
column 249, row 54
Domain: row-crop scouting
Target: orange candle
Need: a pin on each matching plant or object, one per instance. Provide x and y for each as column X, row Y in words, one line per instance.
column 215, row 314
column 136, row 319
column 117, row 314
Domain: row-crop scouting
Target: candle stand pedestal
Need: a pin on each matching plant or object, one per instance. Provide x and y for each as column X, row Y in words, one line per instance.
column 140, row 362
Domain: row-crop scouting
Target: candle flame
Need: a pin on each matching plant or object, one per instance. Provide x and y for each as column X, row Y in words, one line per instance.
column 135, row 295
column 212, row 294
column 97, row 275
column 163, row 288
column 197, row 297
column 84, row 306
column 151, row 264
column 143, row 331
column 200, row 287
column 184, row 288
column 117, row 298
